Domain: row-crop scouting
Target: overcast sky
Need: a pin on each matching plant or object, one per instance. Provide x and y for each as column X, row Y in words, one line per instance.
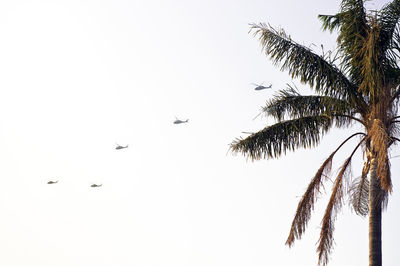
column 79, row 76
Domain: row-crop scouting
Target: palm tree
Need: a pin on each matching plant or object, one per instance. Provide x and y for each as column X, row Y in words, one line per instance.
column 357, row 84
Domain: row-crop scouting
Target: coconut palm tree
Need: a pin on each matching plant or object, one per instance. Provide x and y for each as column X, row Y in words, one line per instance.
column 356, row 84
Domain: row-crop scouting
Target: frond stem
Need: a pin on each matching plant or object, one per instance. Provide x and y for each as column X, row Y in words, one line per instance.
column 394, row 138
column 394, row 118
column 358, row 145
column 355, row 134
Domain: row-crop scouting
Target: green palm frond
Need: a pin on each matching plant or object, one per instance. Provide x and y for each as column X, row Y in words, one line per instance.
column 275, row 140
column 388, row 20
column 394, row 48
column 389, row 41
column 353, row 26
column 302, row 63
column 331, row 22
column 353, row 29
column 289, row 104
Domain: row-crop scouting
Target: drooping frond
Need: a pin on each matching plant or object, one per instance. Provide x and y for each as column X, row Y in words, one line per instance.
column 289, row 104
column 359, row 192
column 302, row 63
column 325, row 242
column 306, row 204
column 328, row 222
column 380, row 140
column 275, row 140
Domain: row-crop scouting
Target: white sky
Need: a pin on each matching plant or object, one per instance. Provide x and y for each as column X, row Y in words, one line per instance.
column 77, row 77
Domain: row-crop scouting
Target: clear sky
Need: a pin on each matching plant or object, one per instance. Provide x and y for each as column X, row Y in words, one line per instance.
column 79, row 76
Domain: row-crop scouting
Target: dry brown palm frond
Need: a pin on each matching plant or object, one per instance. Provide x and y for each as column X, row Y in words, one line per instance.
column 380, row 141
column 370, row 64
column 328, row 222
column 335, row 203
column 306, row 204
column 386, row 182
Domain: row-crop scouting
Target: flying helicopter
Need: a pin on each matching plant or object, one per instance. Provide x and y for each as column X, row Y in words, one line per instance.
column 95, row 185
column 52, row 182
column 260, row 87
column 178, row 121
column 119, row 147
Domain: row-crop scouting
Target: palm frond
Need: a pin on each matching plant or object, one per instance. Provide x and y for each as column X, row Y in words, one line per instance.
column 277, row 139
column 359, row 191
column 302, row 63
column 363, row 85
column 393, row 50
column 330, row 22
column 289, row 104
column 306, row 204
column 325, row 242
column 388, row 19
column 352, row 33
column 371, row 62
column 353, row 25
column 328, row 223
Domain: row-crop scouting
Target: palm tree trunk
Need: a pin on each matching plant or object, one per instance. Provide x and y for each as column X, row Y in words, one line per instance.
column 375, row 217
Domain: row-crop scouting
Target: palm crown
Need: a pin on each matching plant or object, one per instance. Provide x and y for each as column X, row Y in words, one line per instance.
column 357, row 84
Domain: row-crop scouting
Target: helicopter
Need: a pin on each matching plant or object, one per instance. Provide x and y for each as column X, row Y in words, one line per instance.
column 178, row 121
column 52, row 182
column 260, row 87
column 95, row 185
column 119, row 147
